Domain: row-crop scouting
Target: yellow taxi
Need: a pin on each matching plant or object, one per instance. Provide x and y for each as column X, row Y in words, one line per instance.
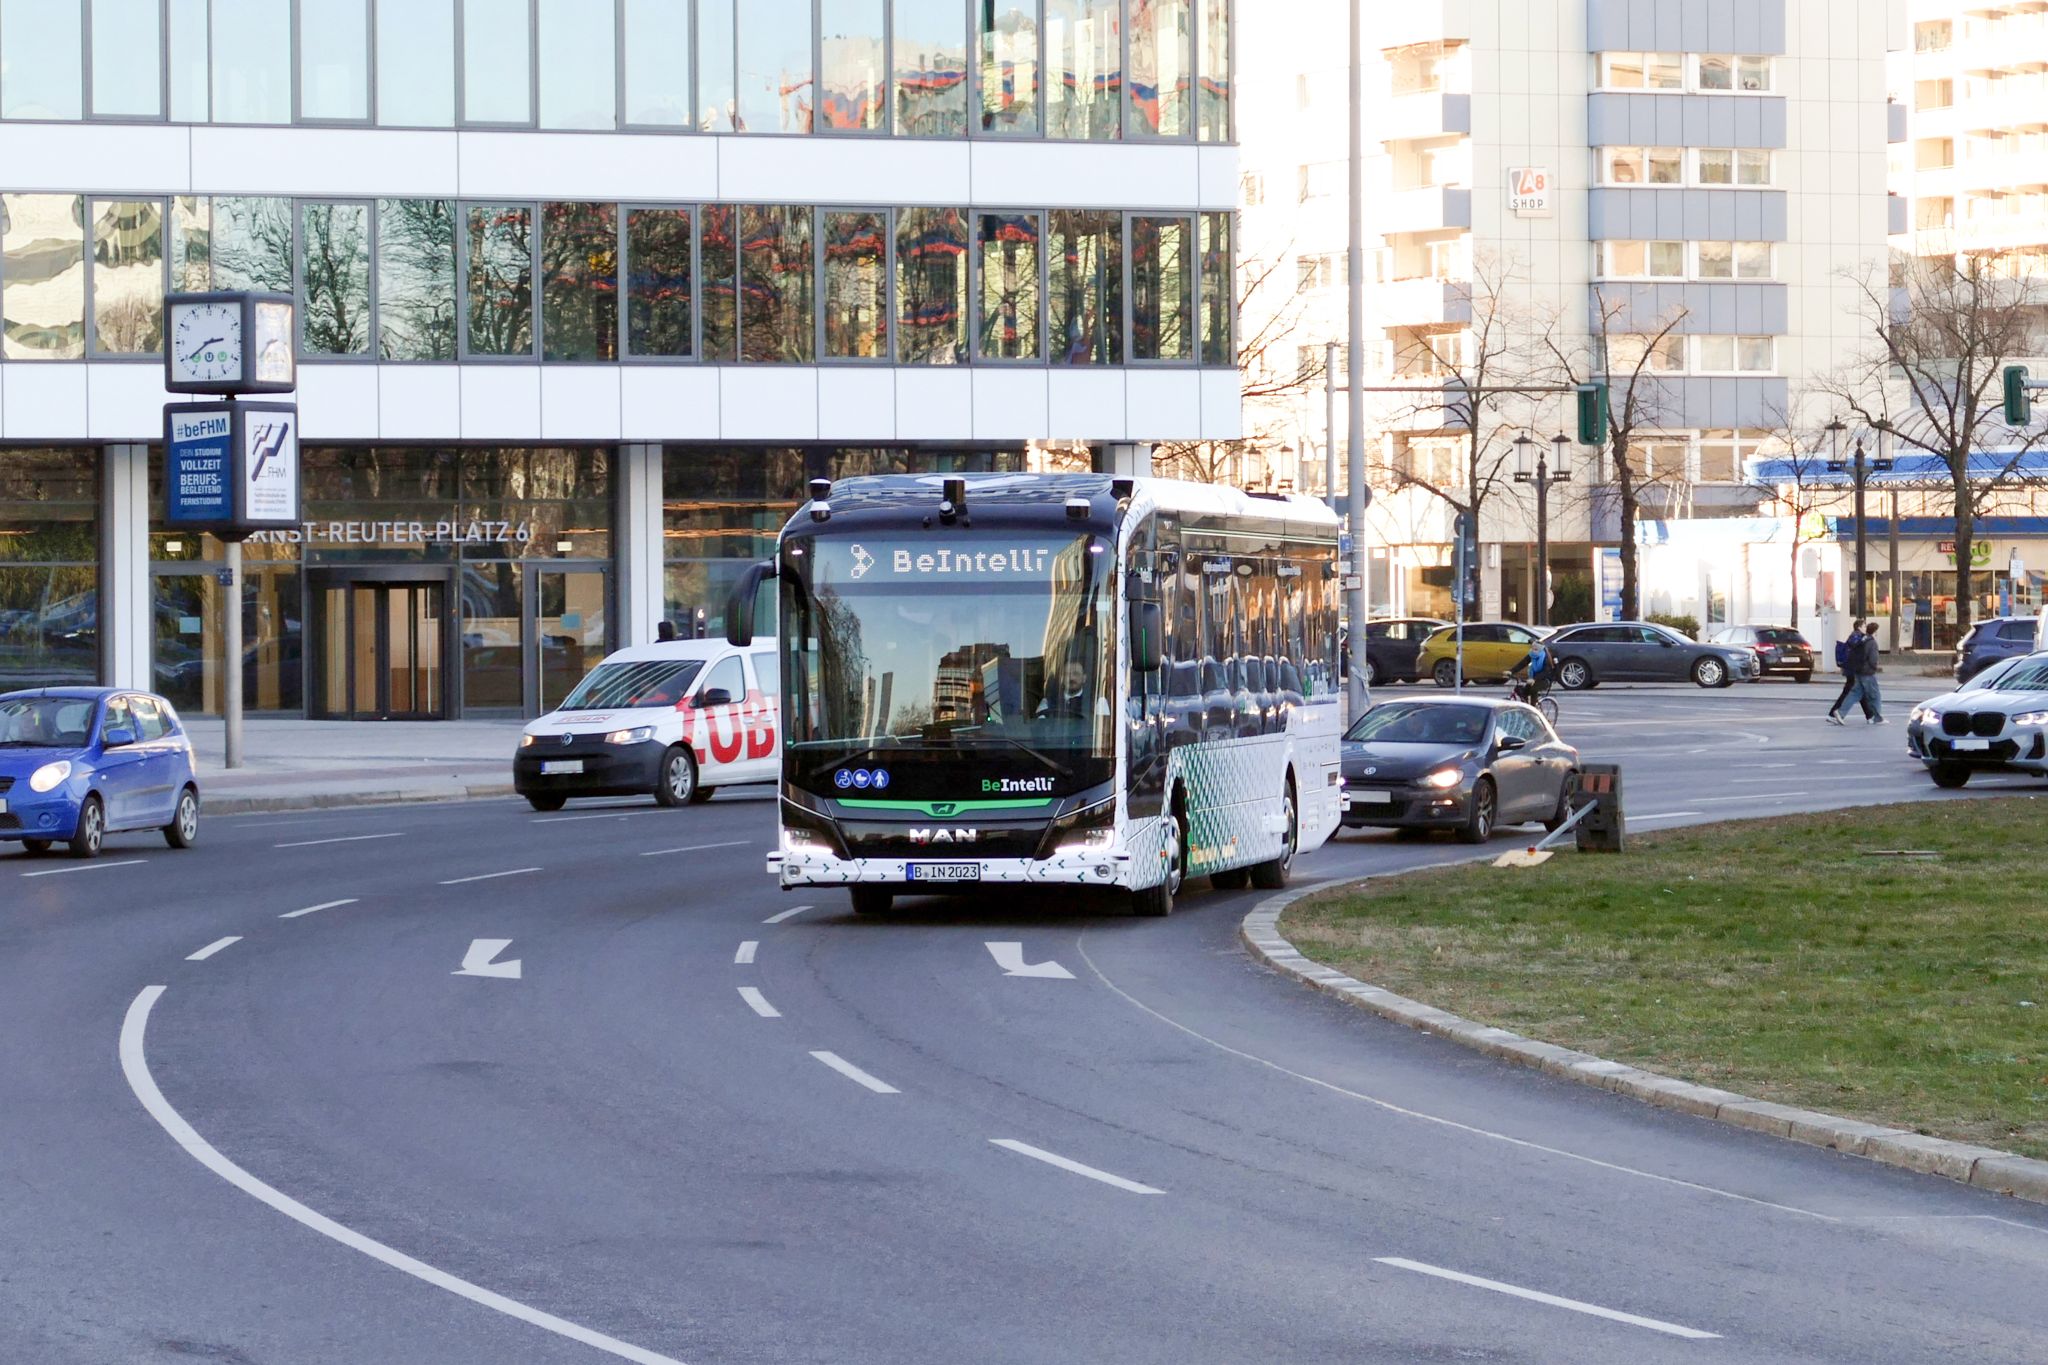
column 1491, row 649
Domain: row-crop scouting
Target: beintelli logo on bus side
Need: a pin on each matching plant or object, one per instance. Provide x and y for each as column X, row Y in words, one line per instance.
column 1010, row 785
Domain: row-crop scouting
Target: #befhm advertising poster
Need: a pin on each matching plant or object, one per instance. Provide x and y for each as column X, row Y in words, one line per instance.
column 231, row 468
column 199, row 487
column 270, row 467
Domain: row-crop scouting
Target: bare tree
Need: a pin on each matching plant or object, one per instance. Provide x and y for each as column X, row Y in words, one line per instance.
column 1933, row 374
column 1800, row 485
column 1625, row 351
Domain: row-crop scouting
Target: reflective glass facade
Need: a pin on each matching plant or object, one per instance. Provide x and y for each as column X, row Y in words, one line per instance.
column 49, row 588
column 762, row 284
column 1088, row 70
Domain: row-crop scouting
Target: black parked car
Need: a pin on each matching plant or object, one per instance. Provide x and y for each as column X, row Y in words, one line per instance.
column 1990, row 641
column 1779, row 649
column 1465, row 765
column 1391, row 647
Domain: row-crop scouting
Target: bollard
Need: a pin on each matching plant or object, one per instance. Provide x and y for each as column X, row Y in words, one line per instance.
column 1603, row 830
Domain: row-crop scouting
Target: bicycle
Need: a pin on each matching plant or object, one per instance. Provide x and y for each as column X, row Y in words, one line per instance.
column 1542, row 701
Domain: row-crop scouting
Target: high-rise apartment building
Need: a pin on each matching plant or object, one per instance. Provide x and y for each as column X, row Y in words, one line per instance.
column 1685, row 188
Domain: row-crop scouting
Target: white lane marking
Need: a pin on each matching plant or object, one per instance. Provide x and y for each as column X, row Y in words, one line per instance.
column 135, row 1066
column 342, row 839
column 1390, row 1107
column 1666, row 815
column 759, row 1003
column 790, row 913
column 315, row 909
column 1010, row 957
column 745, row 956
column 595, row 815
column 1537, row 1296
column 210, row 949
column 477, row 961
column 1751, row 796
column 489, row 876
column 86, row 867
column 1054, row 1159
column 855, row 1074
column 695, row 848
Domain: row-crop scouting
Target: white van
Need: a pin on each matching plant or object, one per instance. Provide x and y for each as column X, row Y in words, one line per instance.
column 678, row 719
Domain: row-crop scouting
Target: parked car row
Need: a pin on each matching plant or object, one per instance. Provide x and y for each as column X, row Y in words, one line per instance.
column 1410, row 649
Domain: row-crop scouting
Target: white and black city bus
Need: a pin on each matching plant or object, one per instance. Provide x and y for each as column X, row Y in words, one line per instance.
column 1055, row 680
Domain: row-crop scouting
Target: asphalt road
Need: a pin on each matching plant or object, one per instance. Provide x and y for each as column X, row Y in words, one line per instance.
column 710, row 1122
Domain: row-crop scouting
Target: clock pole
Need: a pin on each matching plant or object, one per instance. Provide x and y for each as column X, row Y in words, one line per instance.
column 232, row 642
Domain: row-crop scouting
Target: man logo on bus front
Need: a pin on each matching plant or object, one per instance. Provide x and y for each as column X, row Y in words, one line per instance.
column 862, row 561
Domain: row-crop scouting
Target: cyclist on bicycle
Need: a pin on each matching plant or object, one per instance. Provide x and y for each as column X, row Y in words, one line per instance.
column 1534, row 675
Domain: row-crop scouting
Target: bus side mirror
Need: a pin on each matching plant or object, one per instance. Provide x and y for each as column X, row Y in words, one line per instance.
column 1148, row 630
column 739, row 612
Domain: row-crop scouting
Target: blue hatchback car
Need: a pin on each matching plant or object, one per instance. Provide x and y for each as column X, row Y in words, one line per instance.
column 80, row 763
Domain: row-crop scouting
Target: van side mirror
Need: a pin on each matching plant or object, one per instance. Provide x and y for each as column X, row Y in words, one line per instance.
column 1148, row 631
column 714, row 696
column 739, row 611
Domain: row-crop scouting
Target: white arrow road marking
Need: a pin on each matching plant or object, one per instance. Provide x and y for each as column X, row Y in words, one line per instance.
column 745, row 956
column 1010, row 957
column 210, row 949
column 312, row 909
column 855, row 1074
column 135, row 1066
column 477, row 961
column 759, row 1003
column 1536, row 1296
column 1051, row 1159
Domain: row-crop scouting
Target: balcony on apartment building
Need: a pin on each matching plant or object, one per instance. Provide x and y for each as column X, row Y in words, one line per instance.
column 1423, row 114
column 1423, row 301
column 1415, row 22
column 1425, row 208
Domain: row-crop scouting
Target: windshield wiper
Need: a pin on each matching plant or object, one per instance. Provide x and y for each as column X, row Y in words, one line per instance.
column 1062, row 769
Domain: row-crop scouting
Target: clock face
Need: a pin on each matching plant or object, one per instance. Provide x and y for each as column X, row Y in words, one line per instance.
column 206, row 343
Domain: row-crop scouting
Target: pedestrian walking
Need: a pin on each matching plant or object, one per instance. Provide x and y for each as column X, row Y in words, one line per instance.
column 1860, row 663
column 1843, row 650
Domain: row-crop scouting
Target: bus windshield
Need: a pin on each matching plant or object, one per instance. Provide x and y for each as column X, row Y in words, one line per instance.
column 950, row 640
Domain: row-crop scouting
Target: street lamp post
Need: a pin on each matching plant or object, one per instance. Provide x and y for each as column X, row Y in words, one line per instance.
column 1860, row 468
column 1542, row 474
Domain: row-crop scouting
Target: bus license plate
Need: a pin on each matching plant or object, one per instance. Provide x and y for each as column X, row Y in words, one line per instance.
column 945, row 872
column 568, row 765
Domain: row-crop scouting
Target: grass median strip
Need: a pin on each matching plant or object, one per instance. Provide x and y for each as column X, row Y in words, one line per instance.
column 1785, row 959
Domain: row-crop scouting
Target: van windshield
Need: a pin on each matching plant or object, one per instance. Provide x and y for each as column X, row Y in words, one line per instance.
column 644, row 682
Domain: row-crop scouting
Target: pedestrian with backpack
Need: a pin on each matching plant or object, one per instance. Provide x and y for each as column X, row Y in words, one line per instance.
column 1860, row 663
column 1842, row 649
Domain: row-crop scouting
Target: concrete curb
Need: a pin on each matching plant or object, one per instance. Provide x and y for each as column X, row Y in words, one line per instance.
column 1985, row 1167
column 268, row 805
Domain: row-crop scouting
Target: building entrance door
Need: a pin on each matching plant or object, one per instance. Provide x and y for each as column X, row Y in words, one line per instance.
column 384, row 647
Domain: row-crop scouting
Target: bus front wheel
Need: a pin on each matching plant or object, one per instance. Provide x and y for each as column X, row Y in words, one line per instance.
column 1272, row 874
column 1155, row 902
column 871, row 900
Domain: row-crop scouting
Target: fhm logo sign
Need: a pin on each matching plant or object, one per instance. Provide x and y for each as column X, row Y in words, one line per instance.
column 1529, row 191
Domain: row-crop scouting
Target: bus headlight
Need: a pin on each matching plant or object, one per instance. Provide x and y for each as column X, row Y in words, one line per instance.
column 49, row 776
column 804, row 841
column 1088, row 831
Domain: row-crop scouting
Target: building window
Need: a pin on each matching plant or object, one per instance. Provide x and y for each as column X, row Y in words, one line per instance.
column 1325, row 271
column 127, row 51
column 718, row 263
column 1162, row 288
column 1729, row 166
column 773, row 67
column 1162, row 68
column 930, row 68
column 1007, row 35
column 128, row 276
column 1086, row 300
column 1628, row 354
column 42, row 276
column 856, row 288
column 1006, row 263
column 1642, row 71
column 931, row 286
column 416, row 279
column 415, row 63
column 776, row 314
column 1642, row 165
column 1642, row 260
column 1218, row 300
column 42, row 56
column 717, row 93
column 334, row 279
column 658, row 304
column 498, row 280
column 1742, row 75
column 1734, row 260
column 1660, row 460
column 656, row 63
column 334, row 60
column 578, row 65
column 1084, row 48
column 49, row 599
column 497, row 62
column 1735, row 355
column 855, row 72
column 252, row 61
column 1213, row 72
column 250, row 245
column 579, row 265
column 191, row 243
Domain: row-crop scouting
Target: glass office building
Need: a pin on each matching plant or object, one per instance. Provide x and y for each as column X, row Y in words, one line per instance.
column 588, row 290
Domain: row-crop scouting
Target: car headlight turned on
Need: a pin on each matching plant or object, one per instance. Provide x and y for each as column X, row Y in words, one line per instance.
column 528, row 741
column 639, row 734
column 1443, row 779
column 49, row 776
column 1924, row 715
column 2031, row 718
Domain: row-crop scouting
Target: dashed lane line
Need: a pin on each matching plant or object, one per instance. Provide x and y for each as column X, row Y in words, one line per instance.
column 759, row 1003
column 315, row 909
column 695, row 848
column 135, row 1066
column 490, row 876
column 855, row 1074
column 210, row 949
column 86, row 867
column 1538, row 1296
column 1066, row 1164
column 790, row 913
column 745, row 956
column 342, row 839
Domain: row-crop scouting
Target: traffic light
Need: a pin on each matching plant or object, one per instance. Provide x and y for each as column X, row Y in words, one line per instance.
column 1592, row 414
column 2019, row 406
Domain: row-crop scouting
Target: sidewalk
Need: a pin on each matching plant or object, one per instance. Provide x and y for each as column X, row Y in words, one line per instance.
column 303, row 764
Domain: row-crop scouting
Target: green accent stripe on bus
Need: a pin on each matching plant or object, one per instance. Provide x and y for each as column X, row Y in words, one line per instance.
column 951, row 808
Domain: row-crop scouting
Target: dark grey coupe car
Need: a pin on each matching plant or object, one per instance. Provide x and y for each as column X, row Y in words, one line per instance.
column 1636, row 651
column 1465, row 765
